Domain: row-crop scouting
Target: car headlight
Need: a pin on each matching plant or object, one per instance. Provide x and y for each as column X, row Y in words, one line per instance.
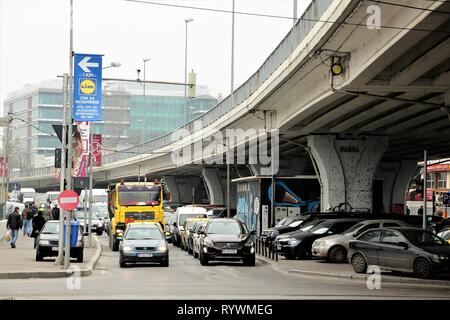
column 208, row 243
column 44, row 242
column 439, row 258
column 127, row 249
column 249, row 243
column 293, row 241
column 318, row 244
column 161, row 247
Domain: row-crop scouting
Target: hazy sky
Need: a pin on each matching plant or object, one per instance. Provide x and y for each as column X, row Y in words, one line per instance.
column 34, row 41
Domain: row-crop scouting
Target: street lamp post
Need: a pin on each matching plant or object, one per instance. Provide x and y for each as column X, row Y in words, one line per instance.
column 232, row 103
column 185, row 66
column 144, row 103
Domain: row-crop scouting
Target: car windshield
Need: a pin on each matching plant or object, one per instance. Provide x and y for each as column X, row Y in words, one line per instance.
column 321, row 228
column 284, row 221
column 309, row 225
column 143, row 234
column 422, row 238
column 79, row 214
column 51, row 228
column 53, row 196
column 295, row 223
column 227, row 227
column 129, row 196
column 184, row 217
column 100, row 210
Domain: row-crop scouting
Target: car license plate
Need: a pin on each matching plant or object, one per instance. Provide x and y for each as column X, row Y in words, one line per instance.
column 229, row 251
column 54, row 248
column 145, row 255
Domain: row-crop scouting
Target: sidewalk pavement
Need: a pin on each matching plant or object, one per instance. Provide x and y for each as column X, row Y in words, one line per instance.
column 322, row 268
column 20, row 263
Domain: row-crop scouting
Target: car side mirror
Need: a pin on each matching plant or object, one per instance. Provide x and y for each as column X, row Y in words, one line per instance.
column 252, row 233
column 404, row 245
column 355, row 234
column 201, row 232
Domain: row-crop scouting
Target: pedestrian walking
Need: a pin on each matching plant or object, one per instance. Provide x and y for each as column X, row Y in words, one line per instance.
column 13, row 224
column 27, row 216
column 55, row 212
column 46, row 212
column 38, row 223
column 420, row 211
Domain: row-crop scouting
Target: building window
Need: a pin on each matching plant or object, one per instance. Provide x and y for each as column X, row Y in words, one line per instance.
column 430, row 180
column 441, row 178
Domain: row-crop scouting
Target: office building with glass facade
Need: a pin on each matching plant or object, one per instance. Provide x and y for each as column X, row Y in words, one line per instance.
column 128, row 118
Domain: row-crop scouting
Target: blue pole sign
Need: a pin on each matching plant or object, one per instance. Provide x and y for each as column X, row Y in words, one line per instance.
column 87, row 88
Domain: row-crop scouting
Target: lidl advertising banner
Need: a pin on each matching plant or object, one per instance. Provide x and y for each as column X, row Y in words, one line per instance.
column 87, row 88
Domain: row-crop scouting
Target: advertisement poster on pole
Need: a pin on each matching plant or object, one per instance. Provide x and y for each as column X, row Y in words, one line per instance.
column 3, row 167
column 96, row 150
column 80, row 147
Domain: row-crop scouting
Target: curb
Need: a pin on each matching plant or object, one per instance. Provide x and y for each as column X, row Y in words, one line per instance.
column 358, row 277
column 398, row 280
column 84, row 272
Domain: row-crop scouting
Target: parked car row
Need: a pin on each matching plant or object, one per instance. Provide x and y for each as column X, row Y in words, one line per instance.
column 391, row 244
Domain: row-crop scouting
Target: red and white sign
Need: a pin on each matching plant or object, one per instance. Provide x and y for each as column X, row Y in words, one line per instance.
column 96, row 150
column 3, row 167
column 68, row 200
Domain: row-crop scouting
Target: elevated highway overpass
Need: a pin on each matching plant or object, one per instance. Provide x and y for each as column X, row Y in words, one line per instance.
column 371, row 123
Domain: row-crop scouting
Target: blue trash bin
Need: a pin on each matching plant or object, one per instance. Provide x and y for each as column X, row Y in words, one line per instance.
column 74, row 226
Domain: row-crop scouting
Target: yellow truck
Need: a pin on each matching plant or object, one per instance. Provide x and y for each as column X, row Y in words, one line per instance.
column 134, row 202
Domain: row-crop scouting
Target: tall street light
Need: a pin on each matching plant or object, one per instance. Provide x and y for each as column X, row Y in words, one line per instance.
column 232, row 103
column 144, row 104
column 185, row 67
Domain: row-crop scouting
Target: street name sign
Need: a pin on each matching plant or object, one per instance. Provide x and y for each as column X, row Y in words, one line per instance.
column 87, row 88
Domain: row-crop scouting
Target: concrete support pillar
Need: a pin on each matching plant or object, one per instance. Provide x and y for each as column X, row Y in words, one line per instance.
column 347, row 168
column 213, row 183
column 396, row 177
column 173, row 188
column 181, row 188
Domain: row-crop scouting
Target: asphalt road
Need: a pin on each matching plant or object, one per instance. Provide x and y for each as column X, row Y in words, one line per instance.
column 187, row 279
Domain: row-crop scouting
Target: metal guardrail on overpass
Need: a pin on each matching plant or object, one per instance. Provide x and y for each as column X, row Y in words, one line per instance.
column 309, row 18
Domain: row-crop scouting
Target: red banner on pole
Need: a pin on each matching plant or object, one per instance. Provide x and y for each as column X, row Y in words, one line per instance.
column 97, row 150
column 3, row 167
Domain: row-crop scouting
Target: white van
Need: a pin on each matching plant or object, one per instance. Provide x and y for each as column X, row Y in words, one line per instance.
column 180, row 217
column 27, row 195
column 52, row 197
column 98, row 195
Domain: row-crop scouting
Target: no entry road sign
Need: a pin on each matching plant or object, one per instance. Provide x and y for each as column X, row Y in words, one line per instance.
column 68, row 200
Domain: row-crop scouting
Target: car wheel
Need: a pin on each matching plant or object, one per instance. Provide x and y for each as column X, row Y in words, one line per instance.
column 122, row 263
column 203, row 260
column 289, row 256
column 249, row 261
column 359, row 263
column 80, row 257
column 337, row 255
column 165, row 263
column 39, row 257
column 99, row 233
column 422, row 268
column 115, row 244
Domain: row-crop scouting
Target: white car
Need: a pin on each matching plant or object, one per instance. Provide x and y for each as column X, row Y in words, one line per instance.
column 196, row 238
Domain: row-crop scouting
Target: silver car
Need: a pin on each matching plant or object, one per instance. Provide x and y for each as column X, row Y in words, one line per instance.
column 334, row 248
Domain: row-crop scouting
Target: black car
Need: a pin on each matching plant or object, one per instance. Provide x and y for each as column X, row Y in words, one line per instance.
column 441, row 225
column 286, row 225
column 227, row 239
column 48, row 239
column 300, row 244
column 400, row 249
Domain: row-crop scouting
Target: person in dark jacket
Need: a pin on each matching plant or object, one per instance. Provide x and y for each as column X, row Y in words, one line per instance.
column 13, row 224
column 55, row 212
column 38, row 223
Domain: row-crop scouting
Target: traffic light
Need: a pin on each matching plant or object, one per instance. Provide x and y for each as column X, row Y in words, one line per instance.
column 58, row 154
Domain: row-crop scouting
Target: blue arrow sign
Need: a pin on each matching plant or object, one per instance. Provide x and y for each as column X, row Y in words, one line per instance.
column 87, row 88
